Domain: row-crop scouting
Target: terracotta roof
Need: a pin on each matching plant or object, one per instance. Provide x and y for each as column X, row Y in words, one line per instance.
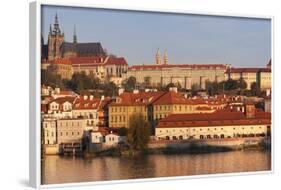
column 116, row 61
column 64, row 61
column 191, row 66
column 172, row 97
column 248, row 70
column 218, row 118
column 91, row 60
column 141, row 98
column 82, row 104
column 67, row 93
column 87, row 60
column 103, row 130
column 63, row 99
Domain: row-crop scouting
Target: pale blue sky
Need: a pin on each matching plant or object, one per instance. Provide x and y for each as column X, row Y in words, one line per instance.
column 189, row 39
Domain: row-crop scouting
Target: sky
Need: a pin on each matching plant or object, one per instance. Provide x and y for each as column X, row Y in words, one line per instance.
column 189, row 39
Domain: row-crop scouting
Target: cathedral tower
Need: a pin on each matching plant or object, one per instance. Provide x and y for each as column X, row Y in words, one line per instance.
column 74, row 35
column 55, row 41
column 158, row 57
column 166, row 57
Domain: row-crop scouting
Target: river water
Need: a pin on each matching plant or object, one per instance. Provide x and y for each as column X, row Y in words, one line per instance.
column 57, row 169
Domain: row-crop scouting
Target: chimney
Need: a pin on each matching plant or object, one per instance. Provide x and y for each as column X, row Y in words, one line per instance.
column 250, row 110
column 57, row 90
column 91, row 97
column 175, row 89
column 120, row 91
column 267, row 92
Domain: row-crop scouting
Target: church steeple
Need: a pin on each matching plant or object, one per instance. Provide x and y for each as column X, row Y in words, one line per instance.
column 74, row 35
column 55, row 41
column 166, row 57
column 56, row 25
column 50, row 30
column 158, row 57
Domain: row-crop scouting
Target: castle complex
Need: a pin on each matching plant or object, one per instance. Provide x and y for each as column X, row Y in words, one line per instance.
column 57, row 47
column 65, row 58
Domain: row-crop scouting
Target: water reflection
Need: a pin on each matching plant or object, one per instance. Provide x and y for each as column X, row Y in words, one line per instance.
column 57, row 169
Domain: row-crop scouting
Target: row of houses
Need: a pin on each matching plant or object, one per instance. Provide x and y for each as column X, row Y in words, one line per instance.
column 68, row 117
column 227, row 123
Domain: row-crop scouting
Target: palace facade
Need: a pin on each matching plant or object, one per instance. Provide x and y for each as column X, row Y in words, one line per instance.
column 186, row 75
column 162, row 73
column 219, row 124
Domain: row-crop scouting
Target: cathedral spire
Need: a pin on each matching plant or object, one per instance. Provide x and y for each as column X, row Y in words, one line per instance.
column 50, row 30
column 74, row 35
column 166, row 57
column 158, row 57
column 56, row 25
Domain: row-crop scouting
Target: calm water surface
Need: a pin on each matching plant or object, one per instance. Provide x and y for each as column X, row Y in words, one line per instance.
column 57, row 169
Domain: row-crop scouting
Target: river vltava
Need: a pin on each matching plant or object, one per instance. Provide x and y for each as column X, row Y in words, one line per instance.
column 57, row 169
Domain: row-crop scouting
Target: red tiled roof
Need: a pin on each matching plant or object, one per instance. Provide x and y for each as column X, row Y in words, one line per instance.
column 81, row 104
column 248, row 70
column 67, row 93
column 63, row 99
column 192, row 66
column 172, row 97
column 141, row 98
column 91, row 60
column 219, row 118
column 116, row 61
column 65, row 61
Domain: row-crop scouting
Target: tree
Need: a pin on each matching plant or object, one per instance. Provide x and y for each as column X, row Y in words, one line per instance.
column 80, row 82
column 212, row 88
column 130, row 83
column 109, row 89
column 138, row 133
column 194, row 89
column 51, row 79
column 255, row 89
column 171, row 85
column 123, row 131
column 231, row 84
column 147, row 82
column 242, row 84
